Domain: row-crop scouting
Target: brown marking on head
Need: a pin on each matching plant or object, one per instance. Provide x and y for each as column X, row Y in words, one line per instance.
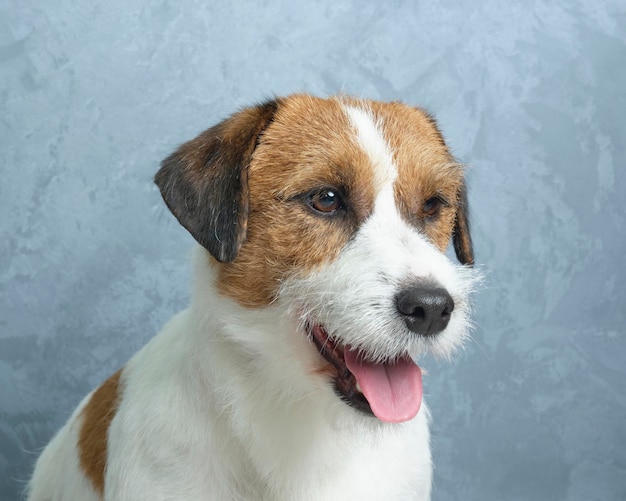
column 275, row 155
column 309, row 145
column 94, row 431
column 427, row 171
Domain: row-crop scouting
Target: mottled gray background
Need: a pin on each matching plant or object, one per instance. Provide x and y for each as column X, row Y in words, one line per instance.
column 531, row 95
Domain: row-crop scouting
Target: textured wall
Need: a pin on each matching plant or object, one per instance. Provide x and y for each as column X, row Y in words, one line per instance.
column 532, row 95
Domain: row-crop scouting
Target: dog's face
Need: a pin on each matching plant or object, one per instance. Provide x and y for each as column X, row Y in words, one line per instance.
column 341, row 211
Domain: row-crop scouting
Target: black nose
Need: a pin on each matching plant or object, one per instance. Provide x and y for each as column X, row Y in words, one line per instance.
column 426, row 308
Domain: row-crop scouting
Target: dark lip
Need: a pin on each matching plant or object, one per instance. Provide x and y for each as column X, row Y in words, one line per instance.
column 344, row 382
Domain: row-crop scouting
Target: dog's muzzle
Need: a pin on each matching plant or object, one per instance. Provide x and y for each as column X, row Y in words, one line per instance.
column 390, row 389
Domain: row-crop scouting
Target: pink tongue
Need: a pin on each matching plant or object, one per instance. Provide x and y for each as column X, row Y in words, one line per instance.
column 394, row 391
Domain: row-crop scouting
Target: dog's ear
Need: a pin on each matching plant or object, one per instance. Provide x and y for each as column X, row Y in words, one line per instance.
column 461, row 237
column 205, row 182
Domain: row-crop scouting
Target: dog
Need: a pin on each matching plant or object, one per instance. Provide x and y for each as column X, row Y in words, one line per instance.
column 319, row 278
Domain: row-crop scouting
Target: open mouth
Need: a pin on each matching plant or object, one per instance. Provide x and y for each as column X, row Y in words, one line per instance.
column 391, row 391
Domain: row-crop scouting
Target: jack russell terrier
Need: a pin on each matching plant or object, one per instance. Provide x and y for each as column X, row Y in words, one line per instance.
column 320, row 277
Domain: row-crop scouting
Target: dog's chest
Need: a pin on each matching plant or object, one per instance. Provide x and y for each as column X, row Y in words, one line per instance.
column 333, row 465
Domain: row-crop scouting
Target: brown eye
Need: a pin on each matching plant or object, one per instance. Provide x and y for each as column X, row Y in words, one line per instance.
column 326, row 201
column 431, row 207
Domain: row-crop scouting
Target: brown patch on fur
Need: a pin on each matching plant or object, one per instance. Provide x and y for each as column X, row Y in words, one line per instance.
column 310, row 144
column 325, row 369
column 426, row 169
column 94, row 431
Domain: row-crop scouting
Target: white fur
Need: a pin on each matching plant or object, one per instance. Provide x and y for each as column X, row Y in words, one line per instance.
column 225, row 403
column 354, row 297
column 371, row 140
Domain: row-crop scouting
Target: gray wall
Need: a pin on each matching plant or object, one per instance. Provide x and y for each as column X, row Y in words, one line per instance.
column 531, row 95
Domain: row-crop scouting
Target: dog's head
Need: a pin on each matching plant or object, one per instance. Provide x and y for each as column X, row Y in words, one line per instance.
column 341, row 210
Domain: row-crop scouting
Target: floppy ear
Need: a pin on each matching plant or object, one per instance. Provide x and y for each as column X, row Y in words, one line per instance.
column 205, row 182
column 461, row 237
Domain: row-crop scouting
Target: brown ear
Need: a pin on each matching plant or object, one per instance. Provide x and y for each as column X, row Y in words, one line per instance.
column 461, row 237
column 205, row 182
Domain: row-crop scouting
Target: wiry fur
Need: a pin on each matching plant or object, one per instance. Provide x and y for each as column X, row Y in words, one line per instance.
column 232, row 400
column 377, row 263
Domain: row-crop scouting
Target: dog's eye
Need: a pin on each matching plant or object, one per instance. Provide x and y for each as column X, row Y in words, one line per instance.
column 326, row 201
column 432, row 206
